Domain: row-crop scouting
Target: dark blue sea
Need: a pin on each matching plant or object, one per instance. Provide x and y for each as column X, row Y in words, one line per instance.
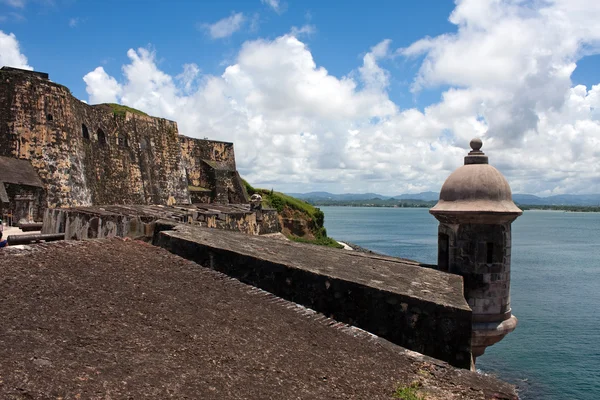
column 554, row 353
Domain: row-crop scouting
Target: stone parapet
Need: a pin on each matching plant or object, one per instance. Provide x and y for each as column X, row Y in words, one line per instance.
column 138, row 221
column 418, row 308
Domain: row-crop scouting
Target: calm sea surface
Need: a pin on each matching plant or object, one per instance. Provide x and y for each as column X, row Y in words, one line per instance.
column 555, row 291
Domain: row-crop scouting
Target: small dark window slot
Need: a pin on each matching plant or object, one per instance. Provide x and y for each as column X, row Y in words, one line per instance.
column 49, row 117
column 122, row 141
column 490, row 252
column 84, row 132
column 101, row 137
column 443, row 252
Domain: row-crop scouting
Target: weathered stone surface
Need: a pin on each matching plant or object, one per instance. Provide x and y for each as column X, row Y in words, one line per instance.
column 211, row 166
column 26, row 203
column 109, row 318
column 22, row 194
column 419, row 308
column 476, row 188
column 138, row 221
column 90, row 155
column 475, row 212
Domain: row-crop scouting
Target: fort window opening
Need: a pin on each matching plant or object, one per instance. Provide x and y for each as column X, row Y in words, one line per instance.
column 122, row 140
column 49, row 117
column 490, row 252
column 443, row 252
column 84, row 132
column 101, row 137
column 143, row 144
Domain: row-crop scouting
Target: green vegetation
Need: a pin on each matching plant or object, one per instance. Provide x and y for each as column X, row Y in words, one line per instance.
column 409, row 392
column 120, row 110
column 321, row 241
column 281, row 202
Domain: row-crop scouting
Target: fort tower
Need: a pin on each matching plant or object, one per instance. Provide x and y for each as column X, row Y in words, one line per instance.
column 475, row 212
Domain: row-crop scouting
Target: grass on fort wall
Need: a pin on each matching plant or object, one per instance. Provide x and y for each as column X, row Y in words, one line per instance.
column 280, row 201
column 410, row 392
column 120, row 110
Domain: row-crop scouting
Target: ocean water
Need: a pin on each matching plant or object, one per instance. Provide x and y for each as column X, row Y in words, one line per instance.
column 555, row 291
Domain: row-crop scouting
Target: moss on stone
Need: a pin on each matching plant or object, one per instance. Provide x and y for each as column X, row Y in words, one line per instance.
column 410, row 392
column 120, row 110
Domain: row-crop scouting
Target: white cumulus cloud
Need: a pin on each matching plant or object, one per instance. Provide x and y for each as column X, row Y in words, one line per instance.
column 10, row 53
column 507, row 69
column 101, row 87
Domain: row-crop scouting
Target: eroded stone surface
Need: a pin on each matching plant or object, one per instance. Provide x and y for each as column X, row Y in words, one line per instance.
column 91, row 155
column 110, row 318
column 138, row 221
column 419, row 308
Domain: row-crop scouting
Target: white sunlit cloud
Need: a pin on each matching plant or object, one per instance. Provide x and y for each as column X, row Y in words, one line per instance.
column 225, row 27
column 10, row 53
column 296, row 127
column 511, row 65
column 101, row 87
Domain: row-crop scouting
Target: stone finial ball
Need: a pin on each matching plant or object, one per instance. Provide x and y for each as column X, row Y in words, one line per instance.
column 476, row 144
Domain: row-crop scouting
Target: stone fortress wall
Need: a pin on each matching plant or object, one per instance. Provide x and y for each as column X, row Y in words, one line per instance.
column 91, row 155
column 211, row 171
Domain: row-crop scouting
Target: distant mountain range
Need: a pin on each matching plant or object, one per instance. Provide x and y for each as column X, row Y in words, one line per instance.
column 425, row 196
column 528, row 199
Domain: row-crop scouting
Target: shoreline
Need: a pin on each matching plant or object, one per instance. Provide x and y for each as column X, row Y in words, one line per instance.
column 573, row 209
column 360, row 249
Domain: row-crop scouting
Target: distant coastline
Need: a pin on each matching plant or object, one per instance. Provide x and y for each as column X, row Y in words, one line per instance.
column 525, row 207
column 393, row 203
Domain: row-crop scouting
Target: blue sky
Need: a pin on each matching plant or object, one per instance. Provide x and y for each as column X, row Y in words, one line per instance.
column 70, row 38
column 341, row 96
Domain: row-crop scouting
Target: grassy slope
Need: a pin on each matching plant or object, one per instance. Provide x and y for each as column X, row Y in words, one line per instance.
column 281, row 201
column 120, row 110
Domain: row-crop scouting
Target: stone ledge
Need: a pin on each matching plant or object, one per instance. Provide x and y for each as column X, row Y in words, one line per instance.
column 137, row 221
column 415, row 307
